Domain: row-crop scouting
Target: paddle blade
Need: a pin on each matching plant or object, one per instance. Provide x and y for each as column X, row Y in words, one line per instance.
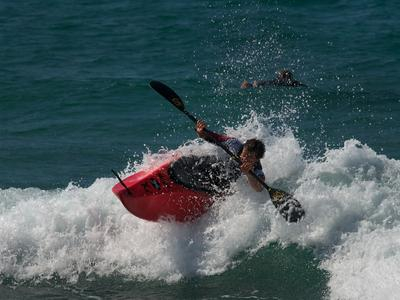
column 287, row 205
column 168, row 94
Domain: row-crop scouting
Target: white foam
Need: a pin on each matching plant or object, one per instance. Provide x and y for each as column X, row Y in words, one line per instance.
column 366, row 265
column 351, row 196
column 352, row 222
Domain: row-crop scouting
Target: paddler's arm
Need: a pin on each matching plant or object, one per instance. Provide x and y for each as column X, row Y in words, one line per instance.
column 208, row 135
column 255, row 184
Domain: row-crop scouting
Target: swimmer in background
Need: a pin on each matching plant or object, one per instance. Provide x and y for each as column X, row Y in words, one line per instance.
column 284, row 78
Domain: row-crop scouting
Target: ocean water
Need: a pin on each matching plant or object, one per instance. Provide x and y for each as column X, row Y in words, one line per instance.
column 75, row 103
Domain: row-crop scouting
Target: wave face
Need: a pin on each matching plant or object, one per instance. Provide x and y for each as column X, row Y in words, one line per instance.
column 352, row 223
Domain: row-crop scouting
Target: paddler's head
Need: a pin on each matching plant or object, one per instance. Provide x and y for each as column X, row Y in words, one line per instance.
column 253, row 150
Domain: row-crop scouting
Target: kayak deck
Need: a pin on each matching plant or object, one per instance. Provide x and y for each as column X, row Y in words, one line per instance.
column 155, row 196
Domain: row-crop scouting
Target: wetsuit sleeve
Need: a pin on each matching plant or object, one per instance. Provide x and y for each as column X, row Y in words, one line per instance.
column 216, row 138
column 259, row 83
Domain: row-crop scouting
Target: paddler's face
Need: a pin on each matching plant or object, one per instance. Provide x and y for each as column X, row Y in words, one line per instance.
column 248, row 156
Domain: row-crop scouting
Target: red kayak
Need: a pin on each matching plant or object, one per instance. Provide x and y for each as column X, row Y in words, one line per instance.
column 161, row 193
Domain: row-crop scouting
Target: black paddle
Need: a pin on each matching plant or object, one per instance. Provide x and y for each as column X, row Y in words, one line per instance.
column 286, row 204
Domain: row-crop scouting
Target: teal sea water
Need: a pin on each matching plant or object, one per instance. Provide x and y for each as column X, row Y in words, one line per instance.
column 75, row 102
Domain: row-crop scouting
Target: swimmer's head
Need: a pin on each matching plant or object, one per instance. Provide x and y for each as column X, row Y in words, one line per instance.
column 285, row 75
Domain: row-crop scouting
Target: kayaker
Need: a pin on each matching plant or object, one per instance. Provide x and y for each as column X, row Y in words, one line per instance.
column 284, row 78
column 250, row 153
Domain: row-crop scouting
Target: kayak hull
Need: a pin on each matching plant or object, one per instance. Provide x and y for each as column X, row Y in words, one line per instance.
column 154, row 196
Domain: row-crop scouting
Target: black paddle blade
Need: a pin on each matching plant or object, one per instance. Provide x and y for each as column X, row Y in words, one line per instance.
column 168, row 94
column 287, row 206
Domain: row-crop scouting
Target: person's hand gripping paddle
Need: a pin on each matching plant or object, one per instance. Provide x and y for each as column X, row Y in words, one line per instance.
column 286, row 204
